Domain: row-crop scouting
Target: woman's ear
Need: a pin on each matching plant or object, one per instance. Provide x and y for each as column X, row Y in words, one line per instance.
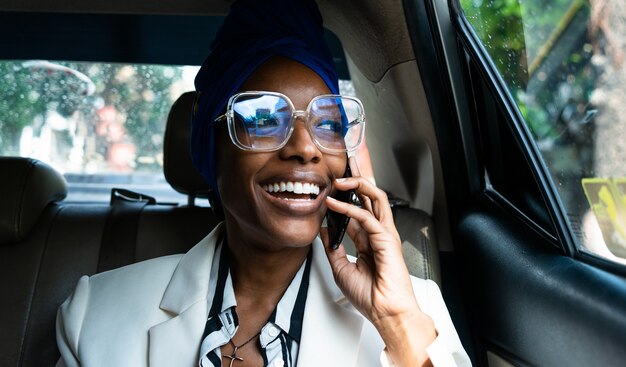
column 216, row 205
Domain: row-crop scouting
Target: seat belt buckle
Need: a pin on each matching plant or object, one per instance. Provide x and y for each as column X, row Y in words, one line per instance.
column 121, row 196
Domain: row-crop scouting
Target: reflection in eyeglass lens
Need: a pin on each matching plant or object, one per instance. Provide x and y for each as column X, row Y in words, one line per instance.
column 264, row 121
column 261, row 121
column 328, row 122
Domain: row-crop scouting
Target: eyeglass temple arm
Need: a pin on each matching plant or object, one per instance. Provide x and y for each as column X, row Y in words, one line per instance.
column 220, row 118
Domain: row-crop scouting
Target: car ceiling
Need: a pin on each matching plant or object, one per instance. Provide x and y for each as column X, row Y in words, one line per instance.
column 373, row 36
column 197, row 7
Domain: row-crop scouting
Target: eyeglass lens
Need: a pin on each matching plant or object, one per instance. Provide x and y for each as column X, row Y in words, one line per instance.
column 263, row 121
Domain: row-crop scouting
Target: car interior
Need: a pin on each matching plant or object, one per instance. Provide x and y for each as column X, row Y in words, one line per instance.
column 475, row 208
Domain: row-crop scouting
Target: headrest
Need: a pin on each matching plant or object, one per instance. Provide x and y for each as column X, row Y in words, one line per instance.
column 27, row 187
column 180, row 173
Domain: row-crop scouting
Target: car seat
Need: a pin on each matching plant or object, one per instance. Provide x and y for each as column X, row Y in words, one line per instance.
column 47, row 244
column 29, row 192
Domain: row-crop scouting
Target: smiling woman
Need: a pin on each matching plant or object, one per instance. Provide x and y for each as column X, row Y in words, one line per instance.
column 265, row 287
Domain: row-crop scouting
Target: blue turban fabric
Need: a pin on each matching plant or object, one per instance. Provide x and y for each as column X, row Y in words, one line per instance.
column 253, row 32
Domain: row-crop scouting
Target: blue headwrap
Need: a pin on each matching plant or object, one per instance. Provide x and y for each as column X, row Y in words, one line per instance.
column 253, row 32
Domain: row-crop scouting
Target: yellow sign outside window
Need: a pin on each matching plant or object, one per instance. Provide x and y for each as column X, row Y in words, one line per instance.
column 607, row 199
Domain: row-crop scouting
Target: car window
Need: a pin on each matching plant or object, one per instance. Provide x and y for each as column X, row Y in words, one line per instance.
column 100, row 124
column 563, row 62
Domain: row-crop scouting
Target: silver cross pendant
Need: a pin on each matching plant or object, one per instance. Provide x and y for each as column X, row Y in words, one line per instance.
column 233, row 357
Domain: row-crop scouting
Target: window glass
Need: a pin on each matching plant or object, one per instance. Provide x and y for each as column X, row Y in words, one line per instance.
column 564, row 63
column 99, row 124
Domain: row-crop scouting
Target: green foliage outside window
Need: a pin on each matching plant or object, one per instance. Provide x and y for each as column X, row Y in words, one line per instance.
column 520, row 36
column 563, row 63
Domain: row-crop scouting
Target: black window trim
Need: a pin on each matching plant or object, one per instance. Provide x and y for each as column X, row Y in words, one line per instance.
column 470, row 42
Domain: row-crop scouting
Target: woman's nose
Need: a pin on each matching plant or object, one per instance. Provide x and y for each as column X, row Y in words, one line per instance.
column 300, row 145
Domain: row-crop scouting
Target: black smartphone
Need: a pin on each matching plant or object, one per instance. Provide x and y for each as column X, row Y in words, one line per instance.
column 336, row 222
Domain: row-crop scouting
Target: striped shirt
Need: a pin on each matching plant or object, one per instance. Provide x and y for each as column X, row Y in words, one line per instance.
column 280, row 336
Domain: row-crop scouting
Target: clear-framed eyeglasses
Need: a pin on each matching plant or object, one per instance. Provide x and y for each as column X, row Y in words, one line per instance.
column 264, row 121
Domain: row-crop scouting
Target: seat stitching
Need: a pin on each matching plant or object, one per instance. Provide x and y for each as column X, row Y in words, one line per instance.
column 21, row 196
column 24, row 343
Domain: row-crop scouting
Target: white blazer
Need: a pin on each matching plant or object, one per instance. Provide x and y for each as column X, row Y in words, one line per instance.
column 153, row 313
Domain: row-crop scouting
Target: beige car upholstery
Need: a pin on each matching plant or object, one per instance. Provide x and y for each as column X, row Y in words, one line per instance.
column 419, row 245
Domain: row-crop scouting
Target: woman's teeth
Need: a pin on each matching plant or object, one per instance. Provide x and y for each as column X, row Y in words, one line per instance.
column 304, row 188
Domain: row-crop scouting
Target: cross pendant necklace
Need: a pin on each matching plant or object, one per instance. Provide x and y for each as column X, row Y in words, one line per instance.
column 233, row 356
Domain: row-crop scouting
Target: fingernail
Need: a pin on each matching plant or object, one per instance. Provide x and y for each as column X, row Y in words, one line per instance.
column 340, row 179
column 331, row 198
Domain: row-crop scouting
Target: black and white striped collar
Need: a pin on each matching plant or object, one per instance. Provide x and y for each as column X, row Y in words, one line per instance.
column 289, row 311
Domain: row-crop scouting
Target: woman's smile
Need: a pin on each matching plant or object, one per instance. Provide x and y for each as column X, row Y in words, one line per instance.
column 297, row 192
column 293, row 190
column 295, row 205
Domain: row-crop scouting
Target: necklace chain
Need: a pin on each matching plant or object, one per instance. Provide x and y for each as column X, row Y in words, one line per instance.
column 244, row 343
column 233, row 356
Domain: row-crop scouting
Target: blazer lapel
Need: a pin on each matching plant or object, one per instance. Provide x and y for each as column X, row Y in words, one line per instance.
column 176, row 342
column 331, row 328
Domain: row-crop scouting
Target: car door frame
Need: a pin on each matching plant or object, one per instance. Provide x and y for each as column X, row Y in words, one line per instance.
column 531, row 297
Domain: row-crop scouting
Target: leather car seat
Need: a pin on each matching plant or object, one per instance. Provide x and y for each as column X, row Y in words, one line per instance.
column 47, row 244
column 29, row 192
column 179, row 171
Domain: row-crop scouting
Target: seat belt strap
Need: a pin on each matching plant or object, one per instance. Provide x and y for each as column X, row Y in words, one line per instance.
column 119, row 238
